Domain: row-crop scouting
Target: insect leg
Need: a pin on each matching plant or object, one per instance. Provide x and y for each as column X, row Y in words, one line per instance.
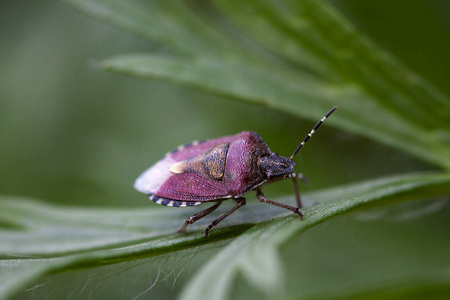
column 299, row 176
column 240, row 202
column 297, row 192
column 263, row 199
column 198, row 216
column 294, row 177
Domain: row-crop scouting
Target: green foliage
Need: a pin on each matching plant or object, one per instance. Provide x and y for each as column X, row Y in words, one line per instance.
column 67, row 239
column 317, row 60
column 294, row 57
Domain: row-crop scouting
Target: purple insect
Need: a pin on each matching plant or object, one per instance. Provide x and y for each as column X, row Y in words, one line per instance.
column 217, row 170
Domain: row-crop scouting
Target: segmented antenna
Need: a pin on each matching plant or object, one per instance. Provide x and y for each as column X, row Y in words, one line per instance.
column 312, row 131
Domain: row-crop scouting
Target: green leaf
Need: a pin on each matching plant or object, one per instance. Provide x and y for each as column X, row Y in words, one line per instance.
column 39, row 239
column 299, row 57
column 255, row 254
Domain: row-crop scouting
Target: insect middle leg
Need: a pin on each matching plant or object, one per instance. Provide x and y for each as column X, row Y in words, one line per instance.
column 240, row 202
column 263, row 199
column 198, row 216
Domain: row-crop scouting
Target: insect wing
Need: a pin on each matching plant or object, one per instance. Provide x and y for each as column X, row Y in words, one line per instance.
column 192, row 187
column 153, row 178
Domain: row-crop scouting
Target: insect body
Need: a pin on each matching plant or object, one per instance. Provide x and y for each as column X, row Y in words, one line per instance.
column 220, row 169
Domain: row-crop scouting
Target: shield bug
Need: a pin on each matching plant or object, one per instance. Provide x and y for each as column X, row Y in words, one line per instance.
column 217, row 170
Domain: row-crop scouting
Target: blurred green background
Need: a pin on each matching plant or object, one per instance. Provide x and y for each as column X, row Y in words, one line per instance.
column 72, row 133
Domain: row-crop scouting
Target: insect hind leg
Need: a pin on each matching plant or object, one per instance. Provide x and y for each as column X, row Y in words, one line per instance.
column 192, row 219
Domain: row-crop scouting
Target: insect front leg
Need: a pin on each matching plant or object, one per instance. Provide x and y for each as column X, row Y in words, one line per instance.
column 294, row 177
column 297, row 192
column 263, row 199
column 198, row 216
column 240, row 202
column 298, row 176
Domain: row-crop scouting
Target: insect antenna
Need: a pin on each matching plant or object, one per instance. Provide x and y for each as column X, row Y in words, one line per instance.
column 312, row 131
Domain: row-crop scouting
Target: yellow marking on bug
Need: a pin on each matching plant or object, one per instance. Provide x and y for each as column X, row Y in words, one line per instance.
column 177, row 168
column 210, row 164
